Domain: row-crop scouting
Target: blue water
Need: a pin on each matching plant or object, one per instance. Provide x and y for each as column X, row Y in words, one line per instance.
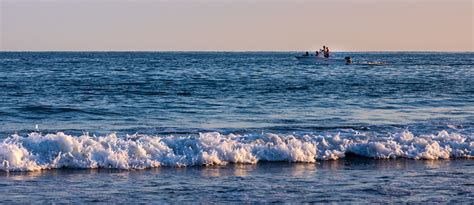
column 162, row 111
column 136, row 92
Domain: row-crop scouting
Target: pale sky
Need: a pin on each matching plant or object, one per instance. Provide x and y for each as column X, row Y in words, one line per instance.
column 240, row 25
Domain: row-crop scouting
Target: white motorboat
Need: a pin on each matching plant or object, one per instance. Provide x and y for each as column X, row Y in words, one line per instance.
column 323, row 60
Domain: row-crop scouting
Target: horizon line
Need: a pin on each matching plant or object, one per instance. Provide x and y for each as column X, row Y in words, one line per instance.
column 241, row 51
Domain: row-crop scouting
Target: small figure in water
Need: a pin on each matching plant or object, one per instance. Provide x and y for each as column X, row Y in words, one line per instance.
column 348, row 60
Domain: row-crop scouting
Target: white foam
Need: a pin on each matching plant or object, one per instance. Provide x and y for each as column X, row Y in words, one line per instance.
column 36, row 151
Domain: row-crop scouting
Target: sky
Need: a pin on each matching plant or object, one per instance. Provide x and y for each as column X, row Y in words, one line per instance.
column 239, row 25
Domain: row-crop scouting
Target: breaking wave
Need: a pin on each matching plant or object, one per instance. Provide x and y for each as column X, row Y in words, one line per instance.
column 50, row 151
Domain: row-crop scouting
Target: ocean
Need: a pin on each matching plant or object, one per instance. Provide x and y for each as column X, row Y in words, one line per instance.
column 164, row 127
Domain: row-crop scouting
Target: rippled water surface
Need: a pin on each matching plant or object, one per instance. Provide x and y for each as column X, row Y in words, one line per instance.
column 140, row 91
column 237, row 123
column 354, row 180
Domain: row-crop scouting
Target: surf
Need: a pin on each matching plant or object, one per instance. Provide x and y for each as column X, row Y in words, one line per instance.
column 38, row 151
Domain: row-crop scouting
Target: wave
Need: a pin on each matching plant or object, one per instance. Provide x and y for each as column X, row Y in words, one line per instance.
column 37, row 152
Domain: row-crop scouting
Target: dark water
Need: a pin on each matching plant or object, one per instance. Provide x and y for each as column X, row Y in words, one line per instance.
column 250, row 112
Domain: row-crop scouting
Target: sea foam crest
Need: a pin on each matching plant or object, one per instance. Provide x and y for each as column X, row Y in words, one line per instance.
column 37, row 152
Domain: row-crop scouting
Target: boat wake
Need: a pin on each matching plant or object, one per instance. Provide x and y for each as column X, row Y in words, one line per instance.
column 37, row 152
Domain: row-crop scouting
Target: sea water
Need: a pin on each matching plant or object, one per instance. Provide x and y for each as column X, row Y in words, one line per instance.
column 236, row 126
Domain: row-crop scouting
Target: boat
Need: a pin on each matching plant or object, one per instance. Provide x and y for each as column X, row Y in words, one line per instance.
column 323, row 60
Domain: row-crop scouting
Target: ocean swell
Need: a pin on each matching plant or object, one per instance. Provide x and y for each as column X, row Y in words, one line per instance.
column 50, row 151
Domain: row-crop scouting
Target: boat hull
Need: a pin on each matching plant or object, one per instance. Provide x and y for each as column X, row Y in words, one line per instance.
column 320, row 60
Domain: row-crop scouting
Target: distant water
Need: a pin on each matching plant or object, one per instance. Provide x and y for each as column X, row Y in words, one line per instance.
column 250, row 112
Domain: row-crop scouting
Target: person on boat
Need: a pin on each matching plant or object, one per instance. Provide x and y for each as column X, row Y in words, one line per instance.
column 306, row 54
column 326, row 52
column 317, row 54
